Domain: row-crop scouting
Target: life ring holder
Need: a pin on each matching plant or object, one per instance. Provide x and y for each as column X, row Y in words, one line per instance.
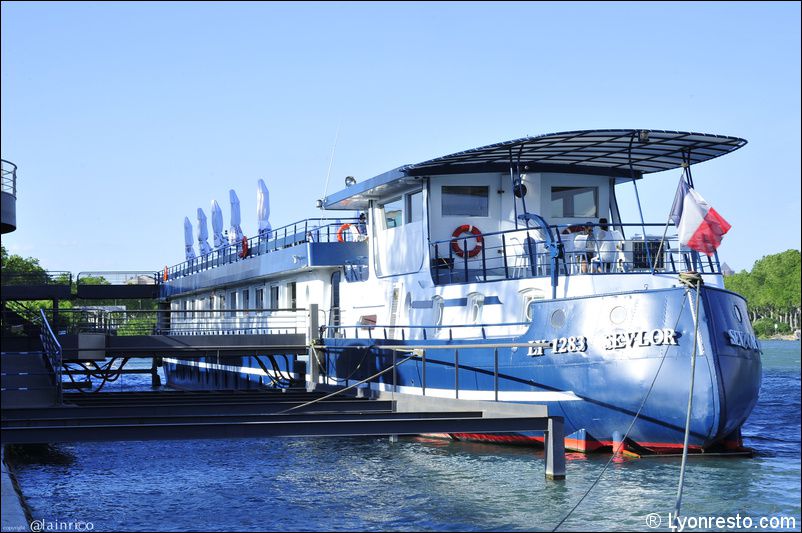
column 341, row 230
column 473, row 230
column 245, row 251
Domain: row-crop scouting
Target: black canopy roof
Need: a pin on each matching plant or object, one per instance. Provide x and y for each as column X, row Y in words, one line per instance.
column 625, row 153
column 609, row 152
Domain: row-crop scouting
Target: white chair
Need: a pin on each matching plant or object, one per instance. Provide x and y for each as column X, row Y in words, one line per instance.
column 518, row 253
column 583, row 243
column 610, row 255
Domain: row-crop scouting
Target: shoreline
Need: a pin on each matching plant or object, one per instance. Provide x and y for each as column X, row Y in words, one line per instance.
column 787, row 337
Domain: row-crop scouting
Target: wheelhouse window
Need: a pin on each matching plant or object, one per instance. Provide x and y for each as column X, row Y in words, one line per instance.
column 415, row 206
column 464, row 200
column 574, row 202
column 393, row 213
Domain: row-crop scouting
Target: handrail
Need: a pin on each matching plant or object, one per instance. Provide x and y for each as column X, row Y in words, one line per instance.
column 9, row 177
column 527, row 253
column 39, row 277
column 119, row 277
column 303, row 231
column 54, row 355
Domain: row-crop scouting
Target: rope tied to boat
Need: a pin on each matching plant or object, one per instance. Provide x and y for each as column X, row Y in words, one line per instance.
column 691, row 279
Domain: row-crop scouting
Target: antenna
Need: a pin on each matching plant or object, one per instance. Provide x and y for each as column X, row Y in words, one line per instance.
column 331, row 160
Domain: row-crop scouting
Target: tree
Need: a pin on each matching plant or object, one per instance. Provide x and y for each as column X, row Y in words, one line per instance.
column 773, row 289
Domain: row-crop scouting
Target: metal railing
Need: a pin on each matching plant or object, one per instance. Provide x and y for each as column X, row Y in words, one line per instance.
column 309, row 230
column 389, row 332
column 9, row 178
column 418, row 353
column 119, row 277
column 522, row 253
column 53, row 354
column 39, row 277
column 120, row 322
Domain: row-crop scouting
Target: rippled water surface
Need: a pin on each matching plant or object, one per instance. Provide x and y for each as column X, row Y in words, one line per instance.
column 416, row 484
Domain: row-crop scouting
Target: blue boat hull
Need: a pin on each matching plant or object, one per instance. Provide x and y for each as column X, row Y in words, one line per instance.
column 618, row 366
column 631, row 379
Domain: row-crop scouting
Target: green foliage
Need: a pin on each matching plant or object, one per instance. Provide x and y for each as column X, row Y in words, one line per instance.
column 18, row 270
column 773, row 289
column 764, row 327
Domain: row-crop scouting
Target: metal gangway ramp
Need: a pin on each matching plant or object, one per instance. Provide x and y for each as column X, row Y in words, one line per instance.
column 176, row 415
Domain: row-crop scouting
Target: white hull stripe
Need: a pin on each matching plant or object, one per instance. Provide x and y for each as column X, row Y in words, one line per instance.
column 484, row 395
column 229, row 368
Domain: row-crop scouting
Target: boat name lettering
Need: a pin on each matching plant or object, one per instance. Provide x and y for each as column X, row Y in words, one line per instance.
column 641, row 338
column 742, row 339
column 560, row 345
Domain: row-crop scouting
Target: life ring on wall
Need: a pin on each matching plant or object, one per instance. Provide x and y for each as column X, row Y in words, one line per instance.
column 473, row 230
column 340, row 231
column 245, row 251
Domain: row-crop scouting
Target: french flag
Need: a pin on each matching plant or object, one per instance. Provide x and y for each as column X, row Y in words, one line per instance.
column 699, row 226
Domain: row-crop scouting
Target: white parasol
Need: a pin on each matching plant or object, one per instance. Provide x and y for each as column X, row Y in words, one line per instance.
column 263, row 209
column 203, row 234
column 235, row 233
column 217, row 225
column 190, row 252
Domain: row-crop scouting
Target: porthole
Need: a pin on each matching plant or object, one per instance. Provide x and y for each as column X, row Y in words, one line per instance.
column 558, row 319
column 618, row 315
column 736, row 311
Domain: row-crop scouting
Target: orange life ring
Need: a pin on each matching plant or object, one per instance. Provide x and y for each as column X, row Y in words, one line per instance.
column 473, row 230
column 164, row 277
column 244, row 252
column 340, row 232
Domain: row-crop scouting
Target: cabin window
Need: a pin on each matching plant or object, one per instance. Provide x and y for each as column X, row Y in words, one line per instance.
column 574, row 202
column 393, row 213
column 232, row 300
column 221, row 304
column 292, row 294
column 260, row 299
column 274, row 297
column 246, row 299
column 415, row 207
column 462, row 201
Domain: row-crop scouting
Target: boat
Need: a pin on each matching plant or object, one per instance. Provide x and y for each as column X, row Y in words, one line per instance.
column 501, row 273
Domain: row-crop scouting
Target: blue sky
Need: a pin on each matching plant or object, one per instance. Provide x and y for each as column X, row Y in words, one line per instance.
column 126, row 117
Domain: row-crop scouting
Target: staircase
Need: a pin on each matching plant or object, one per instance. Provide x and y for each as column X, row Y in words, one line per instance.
column 26, row 381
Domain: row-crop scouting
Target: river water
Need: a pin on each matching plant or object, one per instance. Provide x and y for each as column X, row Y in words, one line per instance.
column 418, row 484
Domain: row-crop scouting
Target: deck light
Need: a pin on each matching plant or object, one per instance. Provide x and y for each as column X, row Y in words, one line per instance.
column 349, row 180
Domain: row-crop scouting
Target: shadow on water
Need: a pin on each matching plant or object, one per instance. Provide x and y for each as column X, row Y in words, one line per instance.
column 38, row 454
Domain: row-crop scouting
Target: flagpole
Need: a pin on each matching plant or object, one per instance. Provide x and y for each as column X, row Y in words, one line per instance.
column 665, row 228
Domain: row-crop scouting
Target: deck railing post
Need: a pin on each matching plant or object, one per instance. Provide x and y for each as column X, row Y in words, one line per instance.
column 495, row 372
column 456, row 374
column 313, row 370
column 423, row 356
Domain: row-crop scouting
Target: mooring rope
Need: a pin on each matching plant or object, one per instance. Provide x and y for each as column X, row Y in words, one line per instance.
column 631, row 424
column 335, row 393
column 690, row 280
